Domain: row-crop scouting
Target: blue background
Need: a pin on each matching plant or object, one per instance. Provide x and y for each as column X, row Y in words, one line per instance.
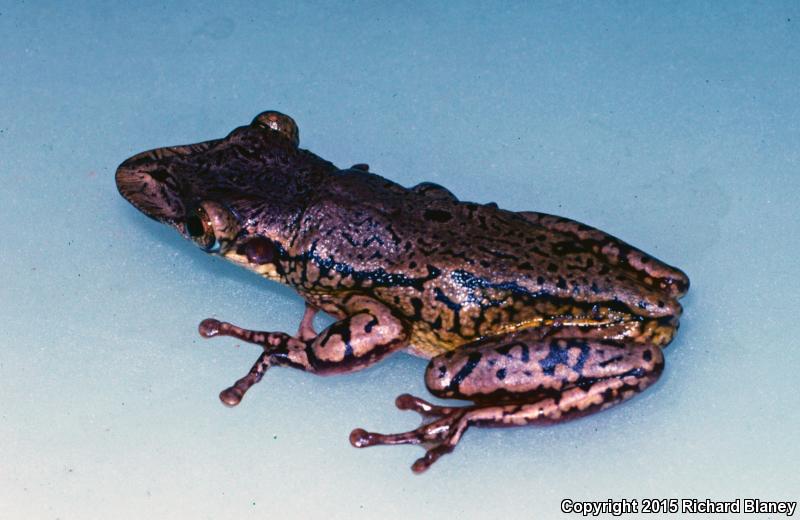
column 675, row 126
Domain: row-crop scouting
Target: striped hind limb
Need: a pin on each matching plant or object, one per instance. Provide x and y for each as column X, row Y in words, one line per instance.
column 515, row 382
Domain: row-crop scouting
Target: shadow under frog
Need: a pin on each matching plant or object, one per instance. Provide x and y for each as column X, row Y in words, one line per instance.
column 533, row 318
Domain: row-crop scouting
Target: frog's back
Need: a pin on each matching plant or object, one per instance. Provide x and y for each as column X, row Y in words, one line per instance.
column 459, row 270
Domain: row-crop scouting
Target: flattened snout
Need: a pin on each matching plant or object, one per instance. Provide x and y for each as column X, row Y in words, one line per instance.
column 148, row 189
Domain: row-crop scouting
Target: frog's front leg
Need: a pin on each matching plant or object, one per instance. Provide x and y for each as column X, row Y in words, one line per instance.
column 366, row 336
column 520, row 379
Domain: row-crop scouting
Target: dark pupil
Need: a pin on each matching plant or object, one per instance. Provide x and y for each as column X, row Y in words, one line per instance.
column 195, row 226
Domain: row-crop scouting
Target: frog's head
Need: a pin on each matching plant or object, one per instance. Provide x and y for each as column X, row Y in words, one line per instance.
column 240, row 196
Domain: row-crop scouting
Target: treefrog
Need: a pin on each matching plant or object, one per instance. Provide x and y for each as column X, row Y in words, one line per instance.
column 531, row 317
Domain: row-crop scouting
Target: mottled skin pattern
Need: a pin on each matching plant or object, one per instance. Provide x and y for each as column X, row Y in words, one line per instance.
column 534, row 318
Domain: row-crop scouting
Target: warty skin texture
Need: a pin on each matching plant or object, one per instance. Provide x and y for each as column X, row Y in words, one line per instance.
column 534, row 318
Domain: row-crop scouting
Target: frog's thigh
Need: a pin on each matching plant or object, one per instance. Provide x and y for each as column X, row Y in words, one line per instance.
column 520, row 379
column 673, row 280
column 561, row 378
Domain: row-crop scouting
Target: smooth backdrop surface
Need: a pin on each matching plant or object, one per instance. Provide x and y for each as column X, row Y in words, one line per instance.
column 674, row 125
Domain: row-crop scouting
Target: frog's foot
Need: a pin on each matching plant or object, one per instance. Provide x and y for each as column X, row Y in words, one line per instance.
column 365, row 337
column 442, row 428
column 233, row 395
column 519, row 379
column 270, row 341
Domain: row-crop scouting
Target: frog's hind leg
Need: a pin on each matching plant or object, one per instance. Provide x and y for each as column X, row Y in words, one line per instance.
column 654, row 272
column 366, row 336
column 517, row 380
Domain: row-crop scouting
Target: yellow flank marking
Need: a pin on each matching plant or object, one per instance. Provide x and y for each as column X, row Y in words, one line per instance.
column 572, row 321
column 428, row 343
column 265, row 270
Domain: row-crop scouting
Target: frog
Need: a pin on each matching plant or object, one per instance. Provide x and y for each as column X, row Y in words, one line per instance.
column 526, row 318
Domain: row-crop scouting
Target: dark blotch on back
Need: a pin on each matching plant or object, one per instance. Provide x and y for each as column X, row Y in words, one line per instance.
column 437, row 215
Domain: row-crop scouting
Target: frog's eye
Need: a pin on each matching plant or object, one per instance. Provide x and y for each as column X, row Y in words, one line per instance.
column 199, row 229
column 278, row 122
column 211, row 226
